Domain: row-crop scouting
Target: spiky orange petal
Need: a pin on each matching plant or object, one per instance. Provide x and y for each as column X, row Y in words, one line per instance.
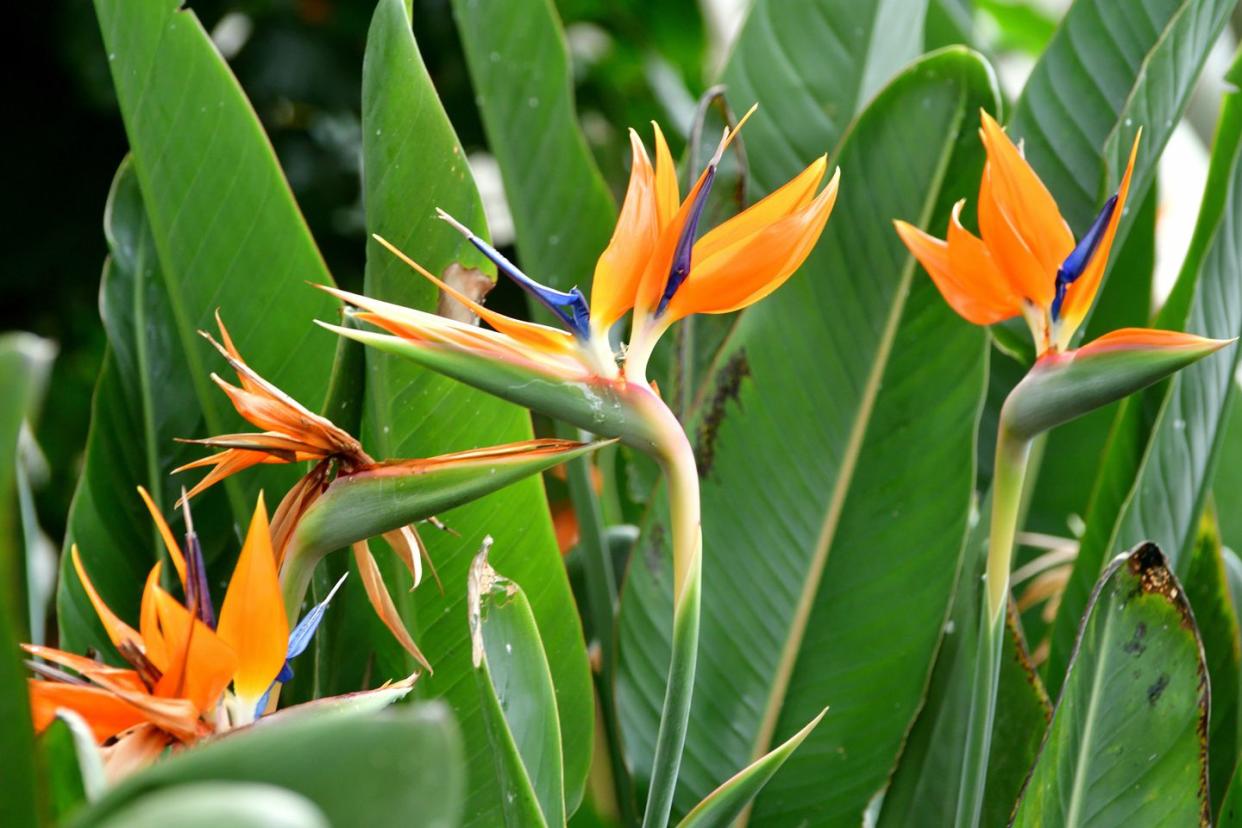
column 252, row 619
column 200, row 664
column 1018, row 266
column 118, row 631
column 1021, row 195
column 170, row 542
column 620, row 267
column 106, row 714
column 381, row 601
column 745, row 272
column 667, row 196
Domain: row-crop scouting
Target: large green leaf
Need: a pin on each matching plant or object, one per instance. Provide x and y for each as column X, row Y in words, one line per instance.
column 70, row 763
column 1231, row 810
column 1160, row 497
column 1228, row 480
column 518, row 700
column 1127, row 744
column 812, row 67
column 828, row 416
column 410, row 412
column 1111, row 69
column 392, row 767
column 224, row 233
column 519, row 65
column 924, row 788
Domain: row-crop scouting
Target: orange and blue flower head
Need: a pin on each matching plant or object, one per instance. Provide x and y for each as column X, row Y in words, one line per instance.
column 656, row 265
column 1025, row 260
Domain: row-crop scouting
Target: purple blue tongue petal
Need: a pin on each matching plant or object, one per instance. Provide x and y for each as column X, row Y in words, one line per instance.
column 1076, row 262
column 569, row 307
column 299, row 640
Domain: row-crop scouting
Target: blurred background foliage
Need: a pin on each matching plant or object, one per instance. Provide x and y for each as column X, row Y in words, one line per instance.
column 300, row 63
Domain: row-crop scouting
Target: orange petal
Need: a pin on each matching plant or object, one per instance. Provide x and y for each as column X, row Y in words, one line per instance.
column 252, row 619
column 408, row 546
column 959, row 290
column 226, row 463
column 793, row 196
column 1025, row 200
column 655, row 275
column 106, row 714
column 1080, row 295
column 149, row 622
column 1148, row 338
column 170, row 542
column 530, row 334
column 620, row 266
column 667, row 197
column 88, row 668
column 230, row 349
column 1015, row 261
column 381, row 601
column 745, row 272
column 200, row 664
column 118, row 631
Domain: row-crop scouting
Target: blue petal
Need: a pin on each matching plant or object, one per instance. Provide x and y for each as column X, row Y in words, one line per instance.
column 301, row 636
column 569, row 307
column 1076, row 262
column 685, row 244
column 262, row 705
column 197, row 595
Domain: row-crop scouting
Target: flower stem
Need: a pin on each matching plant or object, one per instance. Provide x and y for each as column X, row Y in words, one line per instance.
column 1012, row 455
column 676, row 458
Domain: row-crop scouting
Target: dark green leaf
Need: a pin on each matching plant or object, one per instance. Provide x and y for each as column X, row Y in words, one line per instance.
column 827, row 414
column 812, row 67
column 924, row 788
column 414, row 412
column 385, row 768
column 211, row 224
column 562, row 210
column 1127, row 744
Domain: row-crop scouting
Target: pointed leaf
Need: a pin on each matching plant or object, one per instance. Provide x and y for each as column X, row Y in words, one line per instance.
column 724, row 804
column 517, row 696
column 828, row 394
column 1127, row 742
column 409, row 409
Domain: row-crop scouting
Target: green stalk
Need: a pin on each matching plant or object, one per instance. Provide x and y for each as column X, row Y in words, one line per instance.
column 677, row 460
column 1012, row 456
column 601, row 589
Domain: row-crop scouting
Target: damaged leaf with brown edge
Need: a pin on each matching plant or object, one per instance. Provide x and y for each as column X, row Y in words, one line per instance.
column 1128, row 741
column 517, row 696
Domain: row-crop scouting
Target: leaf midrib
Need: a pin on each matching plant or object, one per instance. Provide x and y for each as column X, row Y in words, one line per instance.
column 853, row 449
column 1080, row 767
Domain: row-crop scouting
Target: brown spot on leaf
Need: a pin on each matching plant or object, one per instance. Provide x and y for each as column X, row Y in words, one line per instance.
column 1151, row 568
column 475, row 284
column 1157, row 689
column 728, row 386
column 1135, row 645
